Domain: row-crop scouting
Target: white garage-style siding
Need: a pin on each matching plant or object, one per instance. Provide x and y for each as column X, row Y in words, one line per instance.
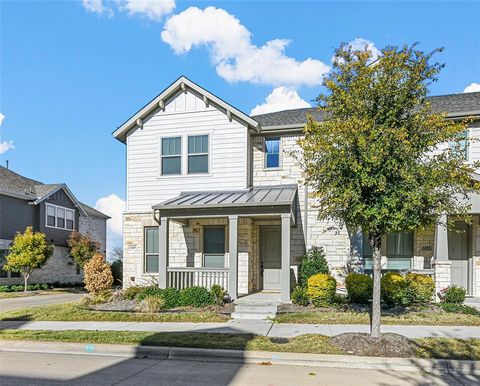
column 185, row 114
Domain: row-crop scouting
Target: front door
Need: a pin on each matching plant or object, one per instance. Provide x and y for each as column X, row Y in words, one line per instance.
column 271, row 258
column 458, row 254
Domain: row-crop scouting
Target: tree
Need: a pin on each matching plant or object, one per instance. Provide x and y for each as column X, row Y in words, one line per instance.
column 97, row 274
column 29, row 250
column 375, row 162
column 116, row 265
column 81, row 247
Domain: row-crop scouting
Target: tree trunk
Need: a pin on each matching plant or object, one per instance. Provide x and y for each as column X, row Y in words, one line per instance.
column 25, row 278
column 375, row 243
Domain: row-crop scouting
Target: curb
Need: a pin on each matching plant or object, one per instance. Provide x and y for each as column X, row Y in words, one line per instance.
column 434, row 366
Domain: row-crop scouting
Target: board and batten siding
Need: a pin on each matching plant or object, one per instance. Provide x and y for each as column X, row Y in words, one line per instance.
column 185, row 114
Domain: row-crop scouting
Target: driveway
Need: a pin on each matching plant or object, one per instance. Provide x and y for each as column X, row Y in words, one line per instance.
column 35, row 301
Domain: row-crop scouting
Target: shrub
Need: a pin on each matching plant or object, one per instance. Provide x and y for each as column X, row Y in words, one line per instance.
column 171, row 297
column 152, row 303
column 299, row 296
column 420, row 288
column 321, row 289
column 394, row 289
column 151, row 290
column 131, row 292
column 44, row 286
column 218, row 294
column 4, row 288
column 313, row 262
column 359, row 287
column 195, row 296
column 97, row 274
column 459, row 309
column 454, row 294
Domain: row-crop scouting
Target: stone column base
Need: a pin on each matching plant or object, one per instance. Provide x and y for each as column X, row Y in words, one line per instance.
column 442, row 275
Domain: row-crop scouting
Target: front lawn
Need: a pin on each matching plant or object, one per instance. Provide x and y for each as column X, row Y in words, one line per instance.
column 444, row 348
column 426, row 318
column 22, row 294
column 72, row 312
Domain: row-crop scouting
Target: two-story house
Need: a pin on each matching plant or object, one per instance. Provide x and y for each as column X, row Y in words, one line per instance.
column 215, row 196
column 53, row 210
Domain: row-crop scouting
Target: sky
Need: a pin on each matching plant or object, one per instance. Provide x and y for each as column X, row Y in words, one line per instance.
column 72, row 71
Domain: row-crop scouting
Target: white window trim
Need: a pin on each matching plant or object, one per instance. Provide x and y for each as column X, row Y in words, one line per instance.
column 149, row 254
column 171, row 156
column 56, row 207
column 280, row 152
column 193, row 154
column 224, row 244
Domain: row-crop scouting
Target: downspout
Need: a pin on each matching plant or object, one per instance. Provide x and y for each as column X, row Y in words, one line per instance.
column 305, row 219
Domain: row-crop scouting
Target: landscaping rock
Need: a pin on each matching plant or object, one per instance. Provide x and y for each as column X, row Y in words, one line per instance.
column 388, row 345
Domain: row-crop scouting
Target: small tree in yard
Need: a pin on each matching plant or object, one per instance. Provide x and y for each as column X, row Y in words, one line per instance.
column 81, row 248
column 28, row 251
column 374, row 162
column 97, row 274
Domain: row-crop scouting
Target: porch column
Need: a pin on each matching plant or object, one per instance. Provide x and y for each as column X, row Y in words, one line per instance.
column 162, row 252
column 441, row 264
column 232, row 256
column 285, row 272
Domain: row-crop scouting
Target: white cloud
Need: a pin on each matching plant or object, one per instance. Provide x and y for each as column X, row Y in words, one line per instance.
column 472, row 87
column 114, row 207
column 232, row 52
column 359, row 44
column 281, row 98
column 152, row 9
column 5, row 145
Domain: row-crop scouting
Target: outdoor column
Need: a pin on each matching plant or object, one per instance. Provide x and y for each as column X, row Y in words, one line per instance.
column 285, row 273
column 162, row 252
column 232, row 256
column 441, row 264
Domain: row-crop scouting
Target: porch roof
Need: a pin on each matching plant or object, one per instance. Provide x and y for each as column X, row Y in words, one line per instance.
column 261, row 199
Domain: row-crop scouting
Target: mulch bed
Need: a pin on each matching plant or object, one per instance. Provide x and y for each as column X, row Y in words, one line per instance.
column 388, row 345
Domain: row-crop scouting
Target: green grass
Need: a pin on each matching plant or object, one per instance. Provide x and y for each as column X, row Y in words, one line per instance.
column 22, row 294
column 71, row 312
column 411, row 318
column 445, row 348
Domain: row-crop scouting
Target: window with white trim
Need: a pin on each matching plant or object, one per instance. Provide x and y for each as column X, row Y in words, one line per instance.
column 197, row 154
column 171, row 156
column 214, row 246
column 151, row 250
column 272, row 153
column 60, row 217
column 460, row 145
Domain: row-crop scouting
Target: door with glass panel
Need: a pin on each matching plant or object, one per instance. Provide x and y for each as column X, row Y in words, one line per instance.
column 459, row 253
column 214, row 246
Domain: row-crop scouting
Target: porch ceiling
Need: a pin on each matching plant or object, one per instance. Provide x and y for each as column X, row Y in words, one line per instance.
column 255, row 200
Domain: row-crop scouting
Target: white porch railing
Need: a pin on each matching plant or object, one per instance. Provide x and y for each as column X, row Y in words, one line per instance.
column 180, row 278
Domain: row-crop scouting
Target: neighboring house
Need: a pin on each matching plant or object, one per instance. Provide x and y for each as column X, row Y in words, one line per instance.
column 217, row 196
column 53, row 210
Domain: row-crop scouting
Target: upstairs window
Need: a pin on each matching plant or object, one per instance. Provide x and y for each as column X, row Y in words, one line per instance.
column 460, row 146
column 60, row 217
column 171, row 156
column 272, row 153
column 197, row 154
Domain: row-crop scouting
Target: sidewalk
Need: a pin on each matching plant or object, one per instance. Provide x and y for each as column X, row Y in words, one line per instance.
column 261, row 327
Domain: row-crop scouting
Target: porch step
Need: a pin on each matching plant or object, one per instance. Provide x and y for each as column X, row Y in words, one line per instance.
column 255, row 310
column 252, row 315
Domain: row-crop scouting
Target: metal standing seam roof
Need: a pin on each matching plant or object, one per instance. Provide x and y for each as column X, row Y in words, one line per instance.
column 278, row 195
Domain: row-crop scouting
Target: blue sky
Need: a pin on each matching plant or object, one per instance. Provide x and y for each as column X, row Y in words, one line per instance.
column 72, row 71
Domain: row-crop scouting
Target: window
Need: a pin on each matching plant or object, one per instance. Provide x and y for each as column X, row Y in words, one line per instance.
column 272, row 153
column 214, row 246
column 460, row 146
column 59, row 217
column 171, row 156
column 151, row 250
column 198, row 154
column 399, row 248
column 3, row 261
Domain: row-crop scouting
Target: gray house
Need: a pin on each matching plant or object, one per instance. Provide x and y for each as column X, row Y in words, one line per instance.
column 215, row 196
column 53, row 210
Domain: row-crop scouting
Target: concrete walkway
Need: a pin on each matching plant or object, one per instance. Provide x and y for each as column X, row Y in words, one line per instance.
column 261, row 327
column 38, row 300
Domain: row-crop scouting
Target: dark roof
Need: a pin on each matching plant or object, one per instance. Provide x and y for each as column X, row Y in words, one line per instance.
column 17, row 185
column 255, row 197
column 453, row 104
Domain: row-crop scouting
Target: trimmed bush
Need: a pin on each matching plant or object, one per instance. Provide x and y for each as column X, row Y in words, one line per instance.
column 44, row 286
column 131, row 292
column 359, row 287
column 171, row 297
column 321, row 289
column 394, row 289
column 152, row 303
column 459, row 309
column 218, row 294
column 420, row 288
column 299, row 296
column 313, row 262
column 454, row 294
column 195, row 296
column 4, row 288
column 151, row 290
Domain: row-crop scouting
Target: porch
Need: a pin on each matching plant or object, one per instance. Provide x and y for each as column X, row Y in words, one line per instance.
column 238, row 240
